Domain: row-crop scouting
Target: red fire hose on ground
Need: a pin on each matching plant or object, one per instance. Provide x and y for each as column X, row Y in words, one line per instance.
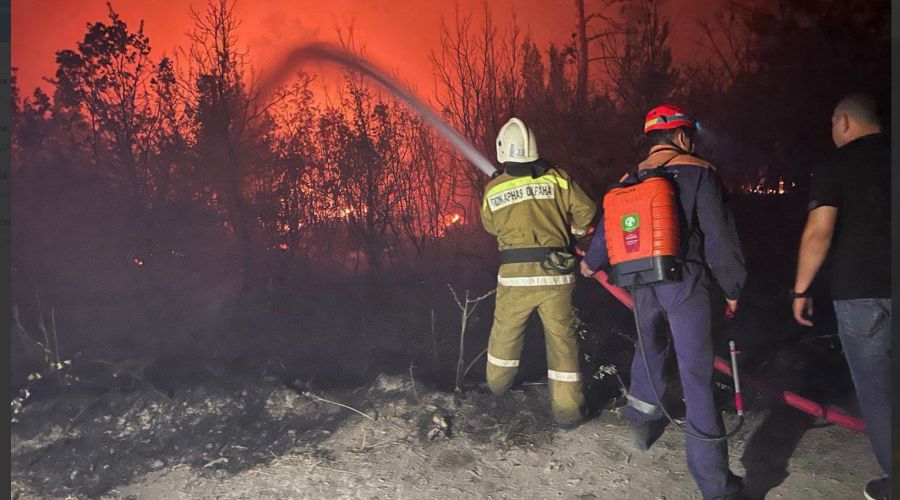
column 792, row 399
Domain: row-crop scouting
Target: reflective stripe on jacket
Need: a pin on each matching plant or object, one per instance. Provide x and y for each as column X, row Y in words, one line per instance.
column 528, row 212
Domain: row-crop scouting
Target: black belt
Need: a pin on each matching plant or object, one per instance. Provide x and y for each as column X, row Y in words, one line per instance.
column 518, row 255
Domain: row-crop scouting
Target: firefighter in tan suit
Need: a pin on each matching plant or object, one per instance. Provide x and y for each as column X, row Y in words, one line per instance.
column 534, row 209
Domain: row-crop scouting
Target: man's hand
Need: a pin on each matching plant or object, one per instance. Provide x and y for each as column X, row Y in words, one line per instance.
column 585, row 270
column 803, row 309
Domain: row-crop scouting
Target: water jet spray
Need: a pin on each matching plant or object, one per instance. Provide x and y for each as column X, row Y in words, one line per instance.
column 335, row 54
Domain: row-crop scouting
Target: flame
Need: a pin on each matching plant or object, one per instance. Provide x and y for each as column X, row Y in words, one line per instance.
column 138, row 262
column 283, row 246
column 765, row 189
column 453, row 218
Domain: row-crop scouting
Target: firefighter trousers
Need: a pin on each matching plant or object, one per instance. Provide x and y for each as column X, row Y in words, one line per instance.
column 686, row 305
column 554, row 306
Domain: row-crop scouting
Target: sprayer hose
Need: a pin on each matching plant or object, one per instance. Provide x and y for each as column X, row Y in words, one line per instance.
column 707, row 438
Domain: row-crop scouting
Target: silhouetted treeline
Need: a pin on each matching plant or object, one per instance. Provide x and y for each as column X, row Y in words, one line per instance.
column 162, row 194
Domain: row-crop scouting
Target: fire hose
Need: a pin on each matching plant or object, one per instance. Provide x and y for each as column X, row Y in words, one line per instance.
column 792, row 399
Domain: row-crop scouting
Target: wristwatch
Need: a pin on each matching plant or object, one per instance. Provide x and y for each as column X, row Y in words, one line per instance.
column 798, row 295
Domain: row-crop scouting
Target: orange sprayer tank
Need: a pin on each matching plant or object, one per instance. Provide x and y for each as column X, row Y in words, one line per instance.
column 642, row 233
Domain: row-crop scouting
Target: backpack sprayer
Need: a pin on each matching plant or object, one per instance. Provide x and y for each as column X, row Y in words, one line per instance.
column 643, row 241
column 642, row 234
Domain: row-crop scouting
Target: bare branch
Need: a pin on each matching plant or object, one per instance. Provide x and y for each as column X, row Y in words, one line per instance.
column 323, row 400
column 598, row 36
column 455, row 297
column 466, row 372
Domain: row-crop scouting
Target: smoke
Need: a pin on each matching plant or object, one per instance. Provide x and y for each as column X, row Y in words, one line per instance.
column 332, row 53
column 720, row 148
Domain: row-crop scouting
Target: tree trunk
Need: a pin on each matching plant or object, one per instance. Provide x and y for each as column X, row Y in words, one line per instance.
column 245, row 245
column 582, row 53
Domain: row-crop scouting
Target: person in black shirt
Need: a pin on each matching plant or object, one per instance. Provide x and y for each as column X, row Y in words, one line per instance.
column 850, row 215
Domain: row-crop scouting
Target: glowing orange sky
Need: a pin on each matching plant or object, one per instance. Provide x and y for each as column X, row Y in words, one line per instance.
column 397, row 34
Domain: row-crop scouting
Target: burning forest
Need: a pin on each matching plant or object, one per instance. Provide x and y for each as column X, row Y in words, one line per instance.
column 256, row 256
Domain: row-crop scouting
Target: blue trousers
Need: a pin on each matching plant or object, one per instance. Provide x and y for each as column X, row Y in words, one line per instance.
column 686, row 306
column 864, row 326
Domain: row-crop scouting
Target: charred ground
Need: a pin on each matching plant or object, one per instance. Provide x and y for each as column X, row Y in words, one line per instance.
column 250, row 394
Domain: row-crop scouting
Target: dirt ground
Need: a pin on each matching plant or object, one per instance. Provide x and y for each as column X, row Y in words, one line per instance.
column 262, row 439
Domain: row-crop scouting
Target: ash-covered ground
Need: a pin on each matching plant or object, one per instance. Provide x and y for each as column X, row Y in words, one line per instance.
column 307, row 414
column 255, row 402
column 227, row 437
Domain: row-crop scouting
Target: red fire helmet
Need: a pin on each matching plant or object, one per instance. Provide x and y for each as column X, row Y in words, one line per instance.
column 666, row 117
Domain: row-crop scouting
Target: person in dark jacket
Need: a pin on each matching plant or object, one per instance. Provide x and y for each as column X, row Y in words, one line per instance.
column 709, row 250
column 850, row 214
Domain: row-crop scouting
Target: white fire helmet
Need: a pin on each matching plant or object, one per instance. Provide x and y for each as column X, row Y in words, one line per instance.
column 515, row 143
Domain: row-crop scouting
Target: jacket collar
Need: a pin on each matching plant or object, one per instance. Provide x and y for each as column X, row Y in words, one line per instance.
column 659, row 155
column 535, row 168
